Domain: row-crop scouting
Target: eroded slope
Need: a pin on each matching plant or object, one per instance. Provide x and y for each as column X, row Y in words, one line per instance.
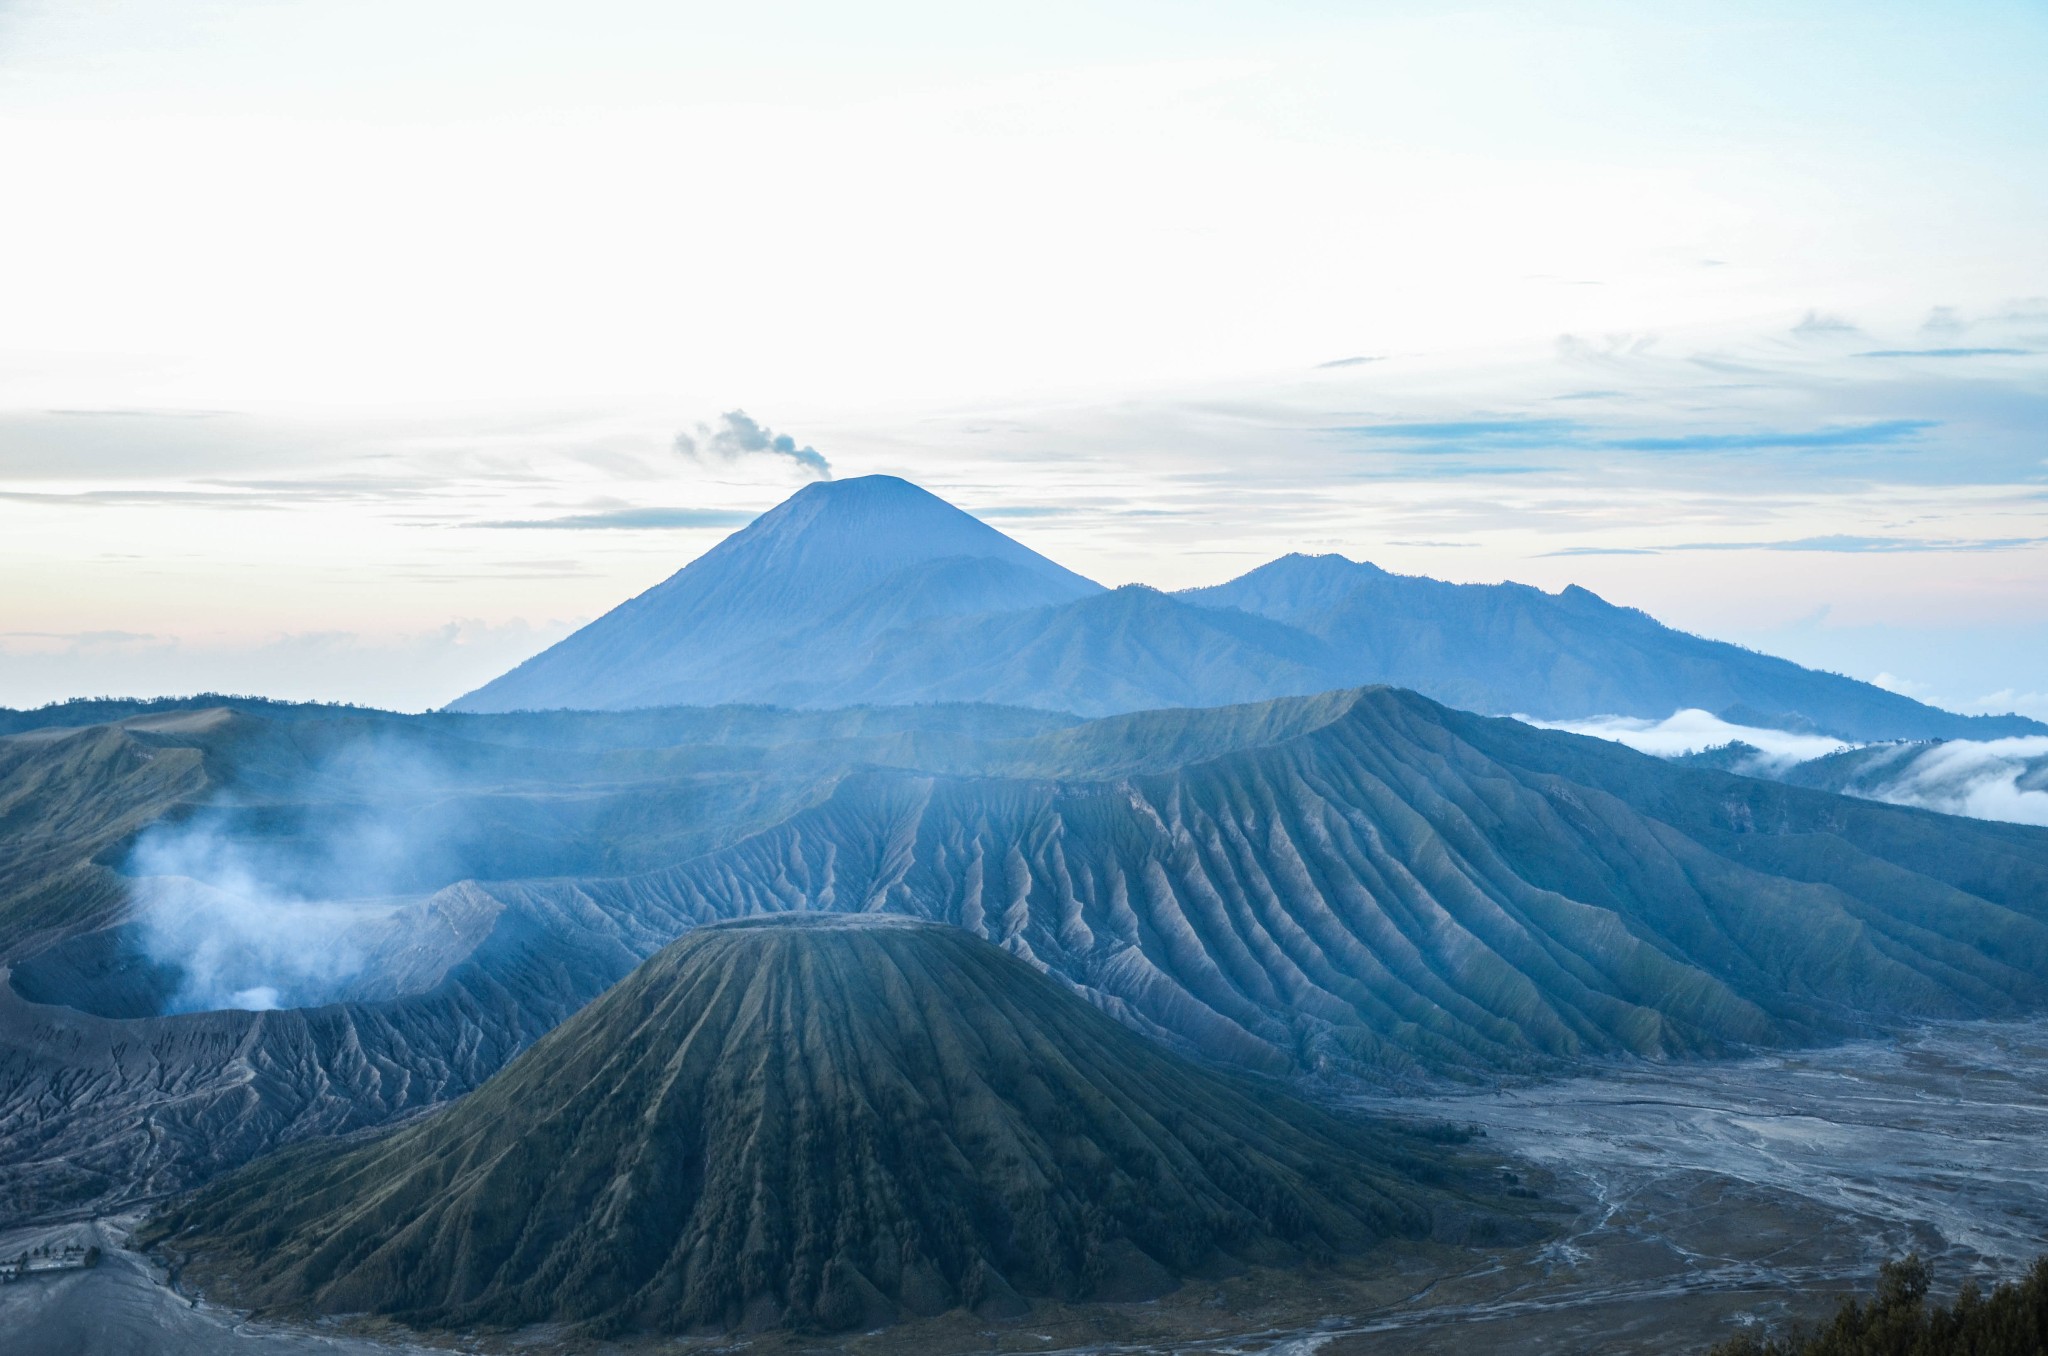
column 1358, row 885
column 1414, row 889
column 820, row 1122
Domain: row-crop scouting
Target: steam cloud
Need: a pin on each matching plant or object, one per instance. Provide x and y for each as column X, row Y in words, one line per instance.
column 260, row 907
column 739, row 435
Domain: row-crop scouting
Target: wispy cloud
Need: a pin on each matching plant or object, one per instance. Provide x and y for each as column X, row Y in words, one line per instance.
column 1946, row 353
column 629, row 519
column 240, row 494
column 1546, row 432
column 1985, row 779
column 1841, row 544
column 1438, row 470
column 138, row 413
column 1815, row 324
column 1022, row 511
column 1537, row 432
column 137, row 498
column 1690, row 731
column 1852, row 545
column 1359, row 361
column 1881, row 433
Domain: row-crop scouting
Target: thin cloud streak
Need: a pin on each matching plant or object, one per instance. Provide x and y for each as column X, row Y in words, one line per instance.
column 1839, row 545
column 1882, row 433
column 628, row 519
column 1946, row 353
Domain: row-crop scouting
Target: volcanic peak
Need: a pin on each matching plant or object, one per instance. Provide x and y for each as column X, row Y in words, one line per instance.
column 820, row 1122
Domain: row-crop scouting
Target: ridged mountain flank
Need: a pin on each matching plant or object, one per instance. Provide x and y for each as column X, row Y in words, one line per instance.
column 1359, row 884
column 1392, row 886
column 816, row 1121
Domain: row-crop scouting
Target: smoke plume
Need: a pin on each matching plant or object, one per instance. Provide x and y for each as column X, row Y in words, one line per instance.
column 739, row 436
column 260, row 905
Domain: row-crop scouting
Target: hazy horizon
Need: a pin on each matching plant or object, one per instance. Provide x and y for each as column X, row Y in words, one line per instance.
column 360, row 355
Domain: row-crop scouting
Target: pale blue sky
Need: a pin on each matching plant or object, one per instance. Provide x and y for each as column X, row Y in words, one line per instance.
column 1737, row 313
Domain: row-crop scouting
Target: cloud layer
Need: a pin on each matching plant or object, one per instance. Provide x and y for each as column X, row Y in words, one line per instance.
column 2001, row 779
column 1991, row 779
column 1677, row 472
column 1692, row 731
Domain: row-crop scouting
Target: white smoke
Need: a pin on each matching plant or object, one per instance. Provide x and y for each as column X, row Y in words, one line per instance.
column 236, row 938
column 1692, row 730
column 265, row 906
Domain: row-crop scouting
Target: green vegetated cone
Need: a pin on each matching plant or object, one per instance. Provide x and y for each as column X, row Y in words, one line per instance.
column 816, row 1121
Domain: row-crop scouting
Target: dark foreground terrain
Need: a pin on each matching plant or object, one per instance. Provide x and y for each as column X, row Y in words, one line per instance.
column 1362, row 890
column 824, row 1122
column 1712, row 1201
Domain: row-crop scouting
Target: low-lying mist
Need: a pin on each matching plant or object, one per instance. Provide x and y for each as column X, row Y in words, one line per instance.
column 1986, row 779
column 2000, row 779
column 1694, row 731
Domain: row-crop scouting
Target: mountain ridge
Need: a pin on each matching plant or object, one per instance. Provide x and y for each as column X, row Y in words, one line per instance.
column 1469, row 646
column 1355, row 886
column 1298, row 904
column 872, row 591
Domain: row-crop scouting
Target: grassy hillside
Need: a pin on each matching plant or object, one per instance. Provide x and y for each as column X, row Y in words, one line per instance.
column 822, row 1122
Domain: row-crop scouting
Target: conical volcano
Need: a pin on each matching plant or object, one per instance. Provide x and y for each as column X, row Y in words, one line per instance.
column 816, row 1121
column 808, row 584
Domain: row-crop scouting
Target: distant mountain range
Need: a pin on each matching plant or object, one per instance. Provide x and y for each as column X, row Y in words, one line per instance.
column 875, row 591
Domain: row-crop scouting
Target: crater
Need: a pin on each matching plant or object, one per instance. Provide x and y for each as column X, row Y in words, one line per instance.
column 193, row 948
column 107, row 973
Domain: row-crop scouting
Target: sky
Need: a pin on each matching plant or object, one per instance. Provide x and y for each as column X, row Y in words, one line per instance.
column 359, row 351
